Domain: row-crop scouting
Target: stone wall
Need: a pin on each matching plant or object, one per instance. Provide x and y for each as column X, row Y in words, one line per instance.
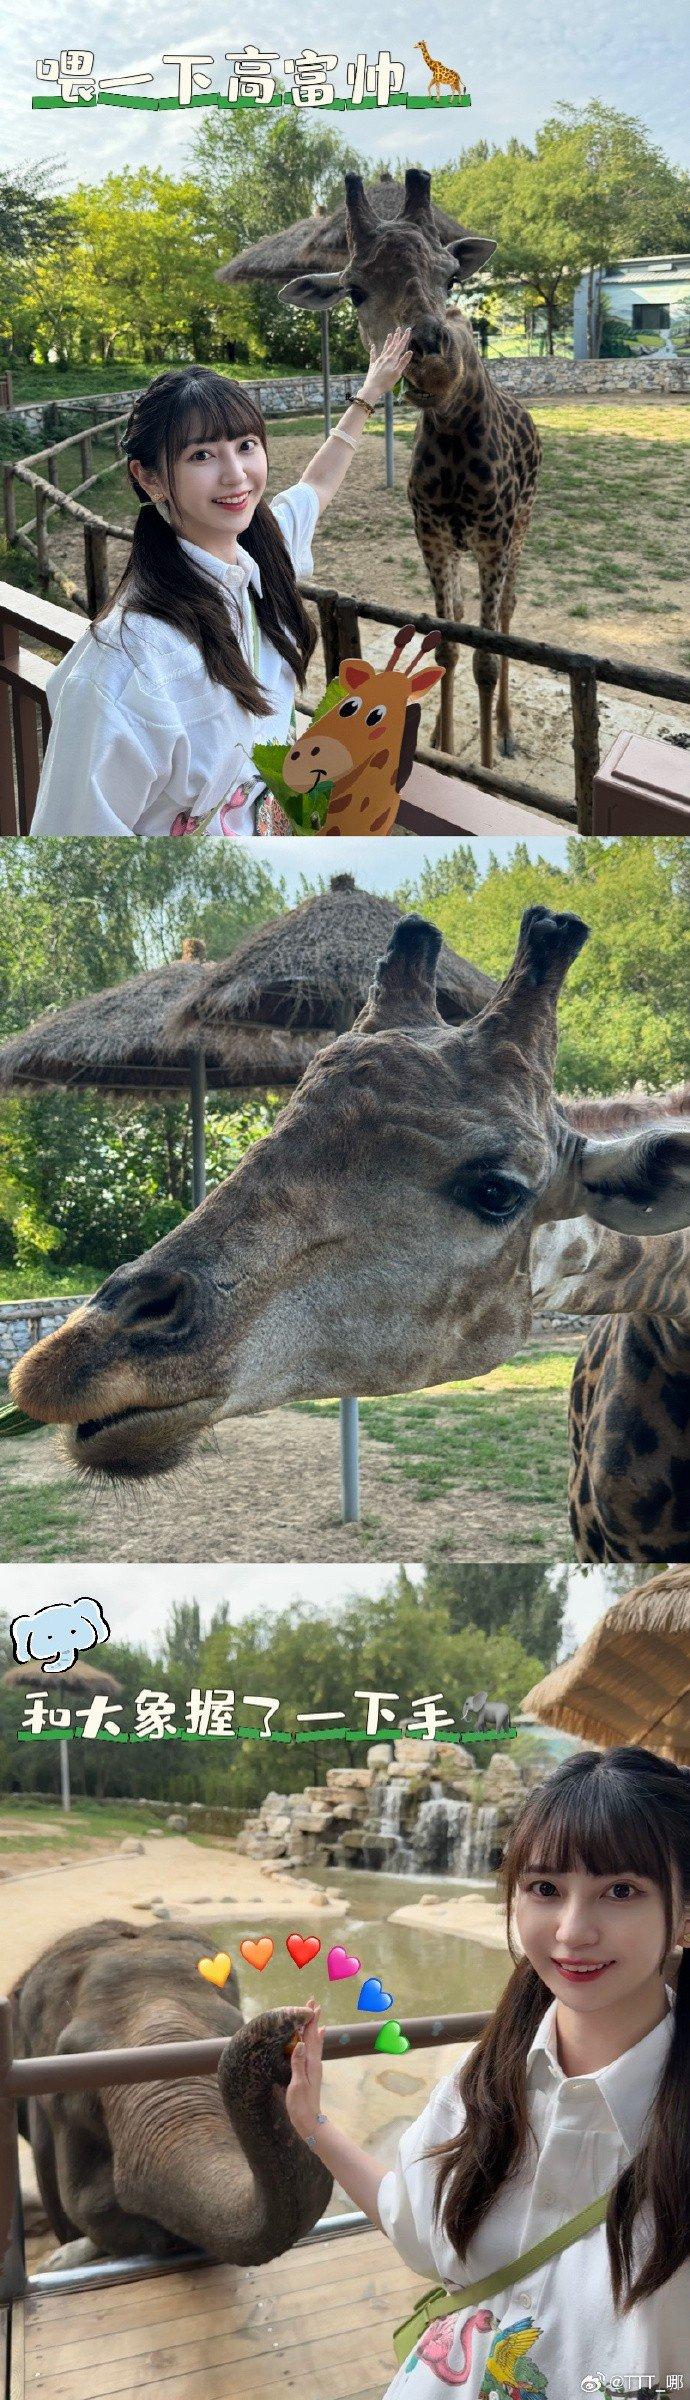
column 23, row 1322
column 298, row 395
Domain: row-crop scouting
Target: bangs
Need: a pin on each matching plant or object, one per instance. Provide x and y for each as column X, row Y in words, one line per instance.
column 209, row 409
column 590, row 1817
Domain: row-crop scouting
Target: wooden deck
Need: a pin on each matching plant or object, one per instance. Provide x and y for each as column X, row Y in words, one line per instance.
column 316, row 2323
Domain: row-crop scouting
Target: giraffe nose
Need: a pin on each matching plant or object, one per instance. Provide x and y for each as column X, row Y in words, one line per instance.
column 430, row 338
column 163, row 1305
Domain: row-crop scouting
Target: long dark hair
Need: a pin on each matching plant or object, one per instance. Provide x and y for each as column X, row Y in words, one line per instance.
column 597, row 1813
column 189, row 404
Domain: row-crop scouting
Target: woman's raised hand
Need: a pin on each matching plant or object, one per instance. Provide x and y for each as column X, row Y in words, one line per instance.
column 303, row 2095
column 387, row 365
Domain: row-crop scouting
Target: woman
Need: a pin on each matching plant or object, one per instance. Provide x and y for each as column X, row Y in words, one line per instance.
column 197, row 656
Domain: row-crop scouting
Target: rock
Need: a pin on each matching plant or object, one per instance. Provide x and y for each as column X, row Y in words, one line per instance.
column 131, row 1848
column 155, row 1834
column 159, row 1910
column 176, row 1824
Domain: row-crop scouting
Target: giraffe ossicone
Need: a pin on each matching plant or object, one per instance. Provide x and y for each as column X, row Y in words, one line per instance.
column 387, row 1234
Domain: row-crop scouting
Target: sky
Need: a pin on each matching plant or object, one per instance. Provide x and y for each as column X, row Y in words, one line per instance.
column 517, row 61
column 384, row 866
column 136, row 1600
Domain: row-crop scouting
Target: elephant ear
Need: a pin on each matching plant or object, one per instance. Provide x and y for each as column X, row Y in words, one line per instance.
column 480, row 1699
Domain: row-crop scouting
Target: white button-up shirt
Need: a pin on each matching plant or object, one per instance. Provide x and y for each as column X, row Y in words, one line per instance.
column 556, row 2329
column 141, row 738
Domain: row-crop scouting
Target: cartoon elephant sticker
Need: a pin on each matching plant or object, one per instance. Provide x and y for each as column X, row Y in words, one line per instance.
column 57, row 1633
column 486, row 1713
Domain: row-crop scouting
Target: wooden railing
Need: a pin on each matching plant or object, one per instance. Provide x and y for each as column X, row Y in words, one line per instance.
column 50, row 500
column 24, row 719
column 156, row 2062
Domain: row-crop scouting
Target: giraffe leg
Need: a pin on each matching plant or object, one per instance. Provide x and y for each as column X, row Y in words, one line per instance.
column 442, row 567
column 506, row 742
column 492, row 574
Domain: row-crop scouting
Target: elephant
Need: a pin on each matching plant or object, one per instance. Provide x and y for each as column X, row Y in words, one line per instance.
column 194, row 2163
column 486, row 1712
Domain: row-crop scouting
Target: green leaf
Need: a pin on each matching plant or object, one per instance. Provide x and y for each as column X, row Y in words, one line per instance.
column 306, row 810
column 13, row 1421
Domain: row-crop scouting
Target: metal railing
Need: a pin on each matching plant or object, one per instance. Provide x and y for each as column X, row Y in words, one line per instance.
column 155, row 2062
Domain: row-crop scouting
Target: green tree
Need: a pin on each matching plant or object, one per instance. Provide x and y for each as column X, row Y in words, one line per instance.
column 260, row 172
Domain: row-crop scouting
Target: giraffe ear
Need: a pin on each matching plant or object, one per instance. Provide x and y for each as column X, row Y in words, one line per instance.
column 319, row 292
column 637, row 1184
column 404, row 988
column 468, row 255
column 353, row 672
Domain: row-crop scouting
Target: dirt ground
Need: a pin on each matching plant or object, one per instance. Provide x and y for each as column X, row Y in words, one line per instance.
column 208, row 1508
column 604, row 567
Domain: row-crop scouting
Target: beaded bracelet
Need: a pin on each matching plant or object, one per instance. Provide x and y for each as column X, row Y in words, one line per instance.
column 310, row 2138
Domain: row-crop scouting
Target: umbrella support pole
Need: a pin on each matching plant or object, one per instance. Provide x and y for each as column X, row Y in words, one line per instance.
column 198, row 1090
column 390, row 456
column 65, row 1797
column 349, row 1461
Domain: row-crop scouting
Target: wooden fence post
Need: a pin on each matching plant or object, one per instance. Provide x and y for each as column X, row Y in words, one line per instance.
column 10, row 505
column 12, row 2267
column 86, row 455
column 42, row 555
column 96, row 568
column 583, row 692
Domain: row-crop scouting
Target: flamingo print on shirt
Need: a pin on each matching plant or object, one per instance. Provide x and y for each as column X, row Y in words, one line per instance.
column 507, row 2370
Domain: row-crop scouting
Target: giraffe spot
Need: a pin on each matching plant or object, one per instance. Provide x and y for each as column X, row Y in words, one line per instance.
column 380, row 759
column 675, row 1397
column 640, row 1356
column 377, row 822
column 616, row 1459
column 336, row 806
column 649, row 1511
column 645, row 1439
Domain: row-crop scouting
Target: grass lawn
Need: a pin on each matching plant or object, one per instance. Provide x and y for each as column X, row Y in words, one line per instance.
column 22, row 1822
column 44, row 1520
column 504, row 1432
column 44, row 1283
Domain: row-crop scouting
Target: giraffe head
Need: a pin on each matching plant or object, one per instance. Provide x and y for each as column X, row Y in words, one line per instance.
column 377, row 1240
column 399, row 272
column 365, row 734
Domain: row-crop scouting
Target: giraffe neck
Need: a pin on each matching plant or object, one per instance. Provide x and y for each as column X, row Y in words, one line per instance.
column 426, row 55
column 585, row 1268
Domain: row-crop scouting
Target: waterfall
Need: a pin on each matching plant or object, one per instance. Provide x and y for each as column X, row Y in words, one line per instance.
column 475, row 1839
column 390, row 1822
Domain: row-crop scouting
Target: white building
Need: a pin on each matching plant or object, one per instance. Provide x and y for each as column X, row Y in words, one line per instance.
column 652, row 295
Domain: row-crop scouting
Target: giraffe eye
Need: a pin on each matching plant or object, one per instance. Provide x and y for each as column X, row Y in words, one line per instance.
column 357, row 295
column 375, row 716
column 492, row 1195
column 350, row 708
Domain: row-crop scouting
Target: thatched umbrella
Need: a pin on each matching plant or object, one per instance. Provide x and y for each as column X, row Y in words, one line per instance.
column 80, row 1678
column 629, row 1682
column 310, row 971
column 319, row 243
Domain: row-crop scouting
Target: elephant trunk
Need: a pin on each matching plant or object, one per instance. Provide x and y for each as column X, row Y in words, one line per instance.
column 242, row 2191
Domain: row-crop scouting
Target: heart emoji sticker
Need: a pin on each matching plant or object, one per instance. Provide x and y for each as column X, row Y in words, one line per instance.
column 372, row 1994
column 215, row 1970
column 340, row 1964
column 392, row 2039
column 257, row 1954
column 302, row 1947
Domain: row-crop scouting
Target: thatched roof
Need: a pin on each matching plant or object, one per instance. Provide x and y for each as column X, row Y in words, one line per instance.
column 630, row 1681
column 81, row 1678
column 320, row 241
column 125, row 1040
column 313, row 967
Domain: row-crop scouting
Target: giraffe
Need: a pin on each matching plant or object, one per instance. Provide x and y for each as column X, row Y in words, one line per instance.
column 396, row 1229
column 440, row 74
column 476, row 456
column 365, row 744
column 629, row 1414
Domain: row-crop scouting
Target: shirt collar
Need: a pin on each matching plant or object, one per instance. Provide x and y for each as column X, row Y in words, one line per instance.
column 235, row 574
column 627, row 2086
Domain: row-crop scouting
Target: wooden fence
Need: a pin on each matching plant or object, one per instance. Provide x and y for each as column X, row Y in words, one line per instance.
column 340, row 616
column 164, row 2062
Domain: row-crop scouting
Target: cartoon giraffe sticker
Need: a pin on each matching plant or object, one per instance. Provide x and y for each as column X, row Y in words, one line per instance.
column 364, row 746
column 440, row 74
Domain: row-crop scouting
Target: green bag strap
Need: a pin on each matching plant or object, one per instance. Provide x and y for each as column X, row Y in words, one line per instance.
column 438, row 2302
